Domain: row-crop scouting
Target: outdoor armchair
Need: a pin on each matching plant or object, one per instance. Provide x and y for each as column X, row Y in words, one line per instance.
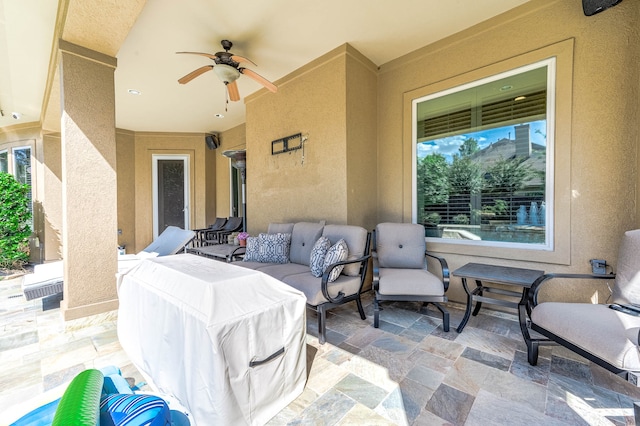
column 606, row 334
column 400, row 269
column 232, row 225
column 201, row 234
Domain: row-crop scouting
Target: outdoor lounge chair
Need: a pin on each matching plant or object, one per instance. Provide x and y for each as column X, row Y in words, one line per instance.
column 233, row 224
column 400, row 269
column 606, row 334
column 201, row 234
column 47, row 279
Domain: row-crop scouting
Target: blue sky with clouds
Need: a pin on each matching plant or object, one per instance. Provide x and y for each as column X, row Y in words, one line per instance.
column 449, row 146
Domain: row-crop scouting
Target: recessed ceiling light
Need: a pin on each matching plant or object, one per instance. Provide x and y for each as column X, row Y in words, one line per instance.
column 134, row 92
column 520, row 98
column 219, row 115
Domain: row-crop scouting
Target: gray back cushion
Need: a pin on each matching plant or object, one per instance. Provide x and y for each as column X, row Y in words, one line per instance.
column 280, row 228
column 303, row 237
column 400, row 245
column 356, row 239
column 627, row 286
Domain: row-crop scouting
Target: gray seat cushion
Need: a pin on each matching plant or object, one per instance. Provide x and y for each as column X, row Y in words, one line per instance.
column 400, row 245
column 281, row 270
column 303, row 237
column 610, row 335
column 283, row 228
column 627, row 285
column 310, row 286
column 356, row 239
column 416, row 282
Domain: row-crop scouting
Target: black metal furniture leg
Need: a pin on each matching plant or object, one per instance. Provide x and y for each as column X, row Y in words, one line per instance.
column 376, row 313
column 445, row 316
column 322, row 327
column 360, row 308
column 467, row 312
column 477, row 291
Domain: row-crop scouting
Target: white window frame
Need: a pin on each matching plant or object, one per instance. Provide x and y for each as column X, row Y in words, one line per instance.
column 550, row 63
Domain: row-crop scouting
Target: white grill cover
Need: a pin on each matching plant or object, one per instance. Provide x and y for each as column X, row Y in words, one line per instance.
column 193, row 325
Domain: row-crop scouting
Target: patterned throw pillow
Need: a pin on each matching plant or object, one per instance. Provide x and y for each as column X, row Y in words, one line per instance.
column 337, row 253
column 274, row 248
column 251, row 252
column 318, row 253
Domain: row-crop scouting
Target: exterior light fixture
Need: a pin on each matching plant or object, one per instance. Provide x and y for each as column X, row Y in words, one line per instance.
column 520, row 98
column 134, row 92
column 218, row 115
column 506, row 87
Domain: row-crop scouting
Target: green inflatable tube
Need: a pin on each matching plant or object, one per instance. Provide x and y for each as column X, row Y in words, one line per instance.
column 80, row 403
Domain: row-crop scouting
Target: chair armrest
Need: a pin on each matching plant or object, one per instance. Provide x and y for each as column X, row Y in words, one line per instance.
column 327, row 272
column 445, row 268
column 375, row 284
column 537, row 284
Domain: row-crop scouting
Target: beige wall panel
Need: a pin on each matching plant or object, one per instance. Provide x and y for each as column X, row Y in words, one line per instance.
column 361, row 140
column 601, row 197
column 125, row 151
column 283, row 187
column 89, row 185
column 148, row 144
column 231, row 140
column 52, row 197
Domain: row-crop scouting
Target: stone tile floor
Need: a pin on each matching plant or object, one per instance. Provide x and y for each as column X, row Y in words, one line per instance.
column 407, row 372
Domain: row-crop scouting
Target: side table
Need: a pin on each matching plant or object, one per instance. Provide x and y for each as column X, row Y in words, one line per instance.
column 519, row 277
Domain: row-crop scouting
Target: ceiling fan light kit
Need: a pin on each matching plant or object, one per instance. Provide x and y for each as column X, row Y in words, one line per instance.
column 227, row 68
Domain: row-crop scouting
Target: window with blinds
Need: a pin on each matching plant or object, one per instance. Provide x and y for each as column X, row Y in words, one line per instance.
column 481, row 151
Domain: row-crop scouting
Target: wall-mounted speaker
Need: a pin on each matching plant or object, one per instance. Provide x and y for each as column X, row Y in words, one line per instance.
column 591, row 7
column 212, row 140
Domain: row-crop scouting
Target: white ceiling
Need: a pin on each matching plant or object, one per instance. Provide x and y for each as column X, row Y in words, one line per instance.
column 278, row 35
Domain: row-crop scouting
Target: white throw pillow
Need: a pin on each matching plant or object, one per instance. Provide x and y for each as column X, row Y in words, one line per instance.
column 318, row 253
column 337, row 253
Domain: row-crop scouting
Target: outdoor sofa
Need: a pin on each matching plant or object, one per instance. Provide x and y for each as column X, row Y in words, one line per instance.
column 298, row 255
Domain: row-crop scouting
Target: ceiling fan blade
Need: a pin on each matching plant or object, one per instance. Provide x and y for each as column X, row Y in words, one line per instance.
column 260, row 79
column 240, row 59
column 234, row 94
column 208, row 55
column 193, row 74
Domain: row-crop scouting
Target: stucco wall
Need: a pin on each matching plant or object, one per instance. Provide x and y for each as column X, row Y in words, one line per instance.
column 148, row 144
column 125, row 152
column 231, row 140
column 312, row 183
column 603, row 138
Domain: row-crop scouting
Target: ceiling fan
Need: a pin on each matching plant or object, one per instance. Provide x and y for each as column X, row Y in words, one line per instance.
column 227, row 68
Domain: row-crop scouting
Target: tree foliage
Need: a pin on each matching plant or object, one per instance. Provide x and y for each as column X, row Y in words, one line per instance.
column 469, row 147
column 465, row 176
column 14, row 222
column 507, row 176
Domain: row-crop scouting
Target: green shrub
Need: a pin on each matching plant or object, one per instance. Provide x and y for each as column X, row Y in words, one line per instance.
column 14, row 222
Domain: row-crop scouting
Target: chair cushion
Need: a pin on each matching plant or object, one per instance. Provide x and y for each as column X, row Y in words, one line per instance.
column 627, row 285
column 400, row 245
column 356, row 239
column 285, row 228
column 318, row 253
column 336, row 253
column 610, row 335
column 274, row 248
column 310, row 286
column 415, row 282
column 303, row 237
column 281, row 270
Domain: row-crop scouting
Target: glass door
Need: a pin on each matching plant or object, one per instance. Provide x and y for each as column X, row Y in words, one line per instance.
column 170, row 192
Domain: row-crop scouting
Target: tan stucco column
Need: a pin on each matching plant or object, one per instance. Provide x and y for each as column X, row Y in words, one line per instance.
column 89, row 189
